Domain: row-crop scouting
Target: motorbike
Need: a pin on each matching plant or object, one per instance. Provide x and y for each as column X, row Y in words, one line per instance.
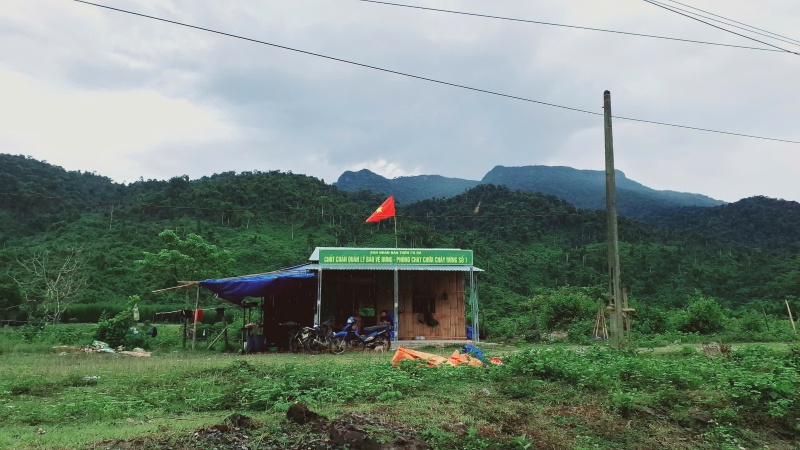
column 316, row 338
column 293, row 329
column 368, row 337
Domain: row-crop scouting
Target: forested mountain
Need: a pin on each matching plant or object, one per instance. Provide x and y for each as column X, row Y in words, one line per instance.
column 405, row 189
column 583, row 188
column 268, row 220
column 586, row 189
column 756, row 221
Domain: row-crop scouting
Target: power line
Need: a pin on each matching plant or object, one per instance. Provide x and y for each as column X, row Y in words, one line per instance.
column 735, row 21
column 537, row 22
column 727, row 22
column 432, row 80
column 405, row 74
column 671, row 9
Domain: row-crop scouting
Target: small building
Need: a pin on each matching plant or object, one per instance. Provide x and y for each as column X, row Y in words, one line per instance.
column 428, row 292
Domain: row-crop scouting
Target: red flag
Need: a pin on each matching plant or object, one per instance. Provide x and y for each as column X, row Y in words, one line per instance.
column 384, row 211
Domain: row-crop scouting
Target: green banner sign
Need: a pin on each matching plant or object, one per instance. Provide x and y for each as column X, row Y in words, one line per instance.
column 392, row 256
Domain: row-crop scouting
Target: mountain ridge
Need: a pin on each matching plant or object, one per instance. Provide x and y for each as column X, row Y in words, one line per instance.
column 585, row 189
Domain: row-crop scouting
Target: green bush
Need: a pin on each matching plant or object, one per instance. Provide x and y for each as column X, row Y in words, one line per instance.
column 752, row 322
column 533, row 336
column 649, row 320
column 558, row 309
column 121, row 329
column 703, row 316
column 580, row 332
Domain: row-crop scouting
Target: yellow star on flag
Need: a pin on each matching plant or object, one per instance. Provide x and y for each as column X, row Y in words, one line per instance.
column 384, row 211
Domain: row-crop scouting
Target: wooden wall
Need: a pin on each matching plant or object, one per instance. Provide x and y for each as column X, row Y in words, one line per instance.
column 342, row 290
column 448, row 290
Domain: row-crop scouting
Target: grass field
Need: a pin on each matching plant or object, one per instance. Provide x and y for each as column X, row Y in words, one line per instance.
column 542, row 397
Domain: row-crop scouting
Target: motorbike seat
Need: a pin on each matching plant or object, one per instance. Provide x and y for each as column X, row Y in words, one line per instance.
column 375, row 328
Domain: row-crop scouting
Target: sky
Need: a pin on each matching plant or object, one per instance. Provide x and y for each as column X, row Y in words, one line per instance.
column 96, row 90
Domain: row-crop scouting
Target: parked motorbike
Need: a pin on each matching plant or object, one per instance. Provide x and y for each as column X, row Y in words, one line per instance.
column 293, row 329
column 316, row 338
column 368, row 337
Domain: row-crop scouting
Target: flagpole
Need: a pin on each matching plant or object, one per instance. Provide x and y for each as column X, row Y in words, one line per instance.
column 395, row 231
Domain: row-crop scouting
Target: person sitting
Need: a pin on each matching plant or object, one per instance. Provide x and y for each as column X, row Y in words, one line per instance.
column 356, row 322
column 385, row 318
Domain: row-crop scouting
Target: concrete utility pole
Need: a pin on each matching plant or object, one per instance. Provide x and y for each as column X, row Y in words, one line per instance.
column 618, row 339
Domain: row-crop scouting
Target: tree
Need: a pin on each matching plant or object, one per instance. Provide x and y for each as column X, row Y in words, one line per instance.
column 50, row 281
column 189, row 259
column 12, row 303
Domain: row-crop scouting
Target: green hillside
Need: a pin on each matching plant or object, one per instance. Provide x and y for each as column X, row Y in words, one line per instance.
column 530, row 244
column 756, row 222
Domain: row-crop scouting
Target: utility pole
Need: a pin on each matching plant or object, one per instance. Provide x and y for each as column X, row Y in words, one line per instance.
column 618, row 339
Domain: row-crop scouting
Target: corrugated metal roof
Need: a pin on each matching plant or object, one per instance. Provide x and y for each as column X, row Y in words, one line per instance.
column 424, row 267
column 315, row 256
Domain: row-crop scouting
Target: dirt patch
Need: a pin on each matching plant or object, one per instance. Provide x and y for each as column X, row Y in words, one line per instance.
column 313, row 432
column 355, row 431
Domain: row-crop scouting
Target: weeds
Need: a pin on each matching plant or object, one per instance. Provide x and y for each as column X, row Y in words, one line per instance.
column 540, row 398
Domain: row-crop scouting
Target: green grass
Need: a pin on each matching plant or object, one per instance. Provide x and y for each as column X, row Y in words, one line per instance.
column 543, row 397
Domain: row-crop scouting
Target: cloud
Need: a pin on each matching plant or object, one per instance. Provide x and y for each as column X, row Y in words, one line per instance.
column 105, row 132
column 214, row 103
column 385, row 168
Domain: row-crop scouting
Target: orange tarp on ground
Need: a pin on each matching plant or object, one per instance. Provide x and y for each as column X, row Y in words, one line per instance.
column 456, row 359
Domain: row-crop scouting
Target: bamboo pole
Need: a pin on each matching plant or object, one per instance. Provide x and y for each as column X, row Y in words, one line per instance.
column 185, row 325
column 224, row 331
column 189, row 284
column 790, row 315
column 196, row 305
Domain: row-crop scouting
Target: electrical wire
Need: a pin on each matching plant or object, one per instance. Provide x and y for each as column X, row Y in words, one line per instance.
column 671, row 9
column 537, row 22
column 346, row 61
column 736, row 21
column 781, row 39
column 432, row 80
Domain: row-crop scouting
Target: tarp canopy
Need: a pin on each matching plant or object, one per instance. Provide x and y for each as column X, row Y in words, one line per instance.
column 236, row 289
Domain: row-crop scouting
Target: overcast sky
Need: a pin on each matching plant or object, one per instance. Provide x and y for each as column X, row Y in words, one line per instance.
column 127, row 97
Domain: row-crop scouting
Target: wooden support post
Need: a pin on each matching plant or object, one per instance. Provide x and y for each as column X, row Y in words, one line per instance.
column 318, row 315
column 473, row 301
column 790, row 315
column 185, row 326
column 196, row 305
column 617, row 321
column 396, row 304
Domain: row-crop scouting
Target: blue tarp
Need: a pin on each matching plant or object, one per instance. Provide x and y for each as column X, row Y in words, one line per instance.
column 235, row 290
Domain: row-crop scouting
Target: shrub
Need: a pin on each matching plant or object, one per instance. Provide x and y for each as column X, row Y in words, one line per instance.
column 116, row 330
column 752, row 322
column 559, row 309
column 649, row 320
column 580, row 332
column 533, row 336
column 704, row 316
